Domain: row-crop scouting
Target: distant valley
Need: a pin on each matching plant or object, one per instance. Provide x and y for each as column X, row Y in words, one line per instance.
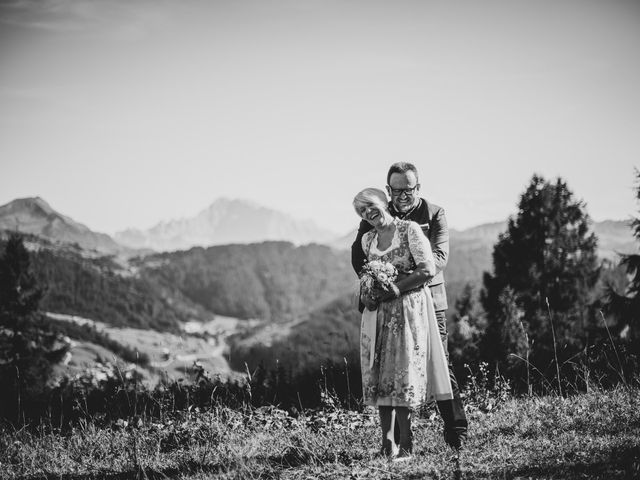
column 293, row 299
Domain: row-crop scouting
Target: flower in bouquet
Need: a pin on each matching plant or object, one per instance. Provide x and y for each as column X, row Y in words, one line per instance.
column 377, row 275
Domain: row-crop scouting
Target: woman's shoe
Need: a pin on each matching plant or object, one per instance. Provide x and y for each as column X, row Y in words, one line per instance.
column 403, row 456
column 389, row 450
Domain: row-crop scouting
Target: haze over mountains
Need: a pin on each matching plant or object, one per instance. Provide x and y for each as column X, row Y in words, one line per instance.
column 225, row 222
column 614, row 237
column 238, row 221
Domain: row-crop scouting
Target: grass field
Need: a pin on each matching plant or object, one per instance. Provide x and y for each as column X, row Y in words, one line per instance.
column 592, row 435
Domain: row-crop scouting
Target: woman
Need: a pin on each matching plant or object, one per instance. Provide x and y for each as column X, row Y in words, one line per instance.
column 403, row 361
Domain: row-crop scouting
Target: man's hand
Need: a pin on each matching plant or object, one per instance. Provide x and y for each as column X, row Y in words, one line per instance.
column 386, row 295
column 403, row 275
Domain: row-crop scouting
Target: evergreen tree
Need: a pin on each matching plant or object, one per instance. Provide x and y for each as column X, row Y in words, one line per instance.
column 19, row 292
column 626, row 307
column 27, row 350
column 544, row 264
column 465, row 330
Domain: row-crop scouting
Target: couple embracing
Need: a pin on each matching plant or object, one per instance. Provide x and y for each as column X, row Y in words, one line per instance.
column 403, row 341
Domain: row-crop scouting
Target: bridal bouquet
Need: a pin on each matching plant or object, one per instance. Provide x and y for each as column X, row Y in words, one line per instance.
column 377, row 275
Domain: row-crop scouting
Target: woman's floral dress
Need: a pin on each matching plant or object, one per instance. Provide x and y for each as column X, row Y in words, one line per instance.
column 397, row 373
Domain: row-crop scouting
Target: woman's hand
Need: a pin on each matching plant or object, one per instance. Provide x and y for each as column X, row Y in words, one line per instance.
column 370, row 302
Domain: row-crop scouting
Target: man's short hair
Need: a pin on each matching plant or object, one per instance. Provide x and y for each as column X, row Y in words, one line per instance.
column 402, row 167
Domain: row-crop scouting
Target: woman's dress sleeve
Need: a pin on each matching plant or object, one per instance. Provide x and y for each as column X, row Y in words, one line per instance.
column 420, row 248
column 366, row 243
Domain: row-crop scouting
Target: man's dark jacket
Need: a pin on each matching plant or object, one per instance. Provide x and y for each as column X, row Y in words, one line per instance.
column 433, row 222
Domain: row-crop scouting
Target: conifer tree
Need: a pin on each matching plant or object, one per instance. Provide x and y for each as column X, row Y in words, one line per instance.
column 465, row 330
column 27, row 351
column 626, row 307
column 545, row 266
column 19, row 293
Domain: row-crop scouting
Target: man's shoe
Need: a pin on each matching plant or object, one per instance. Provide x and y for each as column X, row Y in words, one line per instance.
column 454, row 439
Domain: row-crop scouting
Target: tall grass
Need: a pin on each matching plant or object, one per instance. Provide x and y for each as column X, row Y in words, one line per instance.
column 595, row 435
column 623, row 378
column 555, row 349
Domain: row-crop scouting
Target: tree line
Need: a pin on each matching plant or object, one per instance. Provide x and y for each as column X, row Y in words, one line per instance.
column 550, row 316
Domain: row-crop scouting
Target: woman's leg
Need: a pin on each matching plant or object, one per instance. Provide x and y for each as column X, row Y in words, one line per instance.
column 387, row 420
column 403, row 416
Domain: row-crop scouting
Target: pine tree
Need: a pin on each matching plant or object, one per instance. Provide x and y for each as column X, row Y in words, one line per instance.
column 465, row 330
column 545, row 263
column 27, row 351
column 626, row 307
column 19, row 293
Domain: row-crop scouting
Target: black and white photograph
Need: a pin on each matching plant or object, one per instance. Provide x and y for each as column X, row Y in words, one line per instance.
column 319, row 239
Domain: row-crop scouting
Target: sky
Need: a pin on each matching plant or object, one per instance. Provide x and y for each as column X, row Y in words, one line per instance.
column 125, row 113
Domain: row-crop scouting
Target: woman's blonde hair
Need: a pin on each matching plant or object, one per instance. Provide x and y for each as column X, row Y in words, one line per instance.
column 370, row 196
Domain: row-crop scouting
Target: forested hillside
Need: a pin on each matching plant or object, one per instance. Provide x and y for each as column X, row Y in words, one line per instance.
column 273, row 281
column 328, row 335
column 98, row 288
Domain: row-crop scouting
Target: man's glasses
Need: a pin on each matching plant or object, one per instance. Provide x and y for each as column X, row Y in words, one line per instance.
column 396, row 192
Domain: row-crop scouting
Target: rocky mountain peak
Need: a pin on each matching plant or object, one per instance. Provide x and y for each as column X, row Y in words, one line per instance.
column 33, row 215
column 32, row 205
column 226, row 221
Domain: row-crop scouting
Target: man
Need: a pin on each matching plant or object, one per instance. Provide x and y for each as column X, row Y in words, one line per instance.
column 403, row 188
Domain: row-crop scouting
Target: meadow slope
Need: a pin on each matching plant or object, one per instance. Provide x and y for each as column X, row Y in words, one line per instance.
column 591, row 435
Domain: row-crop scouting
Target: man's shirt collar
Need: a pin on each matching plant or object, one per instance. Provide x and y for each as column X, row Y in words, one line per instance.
column 403, row 215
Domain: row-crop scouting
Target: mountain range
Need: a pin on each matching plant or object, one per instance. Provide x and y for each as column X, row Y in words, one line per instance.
column 225, row 222
column 242, row 222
